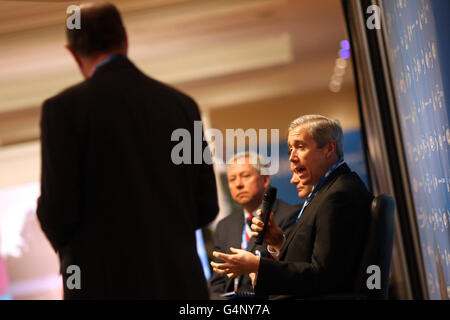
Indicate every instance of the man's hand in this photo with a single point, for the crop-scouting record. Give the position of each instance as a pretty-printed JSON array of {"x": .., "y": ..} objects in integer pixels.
[
  {"x": 236, "y": 264},
  {"x": 273, "y": 236}
]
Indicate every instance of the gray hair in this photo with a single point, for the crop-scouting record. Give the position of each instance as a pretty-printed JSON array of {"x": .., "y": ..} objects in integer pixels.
[
  {"x": 256, "y": 160},
  {"x": 322, "y": 130}
]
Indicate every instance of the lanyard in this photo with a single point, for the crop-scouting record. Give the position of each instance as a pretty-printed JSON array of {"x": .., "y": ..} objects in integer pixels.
[
  {"x": 244, "y": 245},
  {"x": 108, "y": 59},
  {"x": 318, "y": 185},
  {"x": 244, "y": 242}
]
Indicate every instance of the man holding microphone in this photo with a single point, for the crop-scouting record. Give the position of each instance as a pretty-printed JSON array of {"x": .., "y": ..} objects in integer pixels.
[{"x": 322, "y": 253}]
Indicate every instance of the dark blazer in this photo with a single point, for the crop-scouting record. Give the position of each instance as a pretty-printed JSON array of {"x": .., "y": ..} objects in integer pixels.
[
  {"x": 228, "y": 234},
  {"x": 323, "y": 252},
  {"x": 112, "y": 201}
]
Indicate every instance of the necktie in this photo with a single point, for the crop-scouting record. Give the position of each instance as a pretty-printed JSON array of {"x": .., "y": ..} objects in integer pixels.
[{"x": 248, "y": 234}]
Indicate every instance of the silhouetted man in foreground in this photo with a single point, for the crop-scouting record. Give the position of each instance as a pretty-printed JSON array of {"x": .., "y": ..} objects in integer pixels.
[{"x": 112, "y": 201}]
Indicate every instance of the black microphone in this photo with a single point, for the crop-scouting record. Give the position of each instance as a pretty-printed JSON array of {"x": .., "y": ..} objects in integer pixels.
[{"x": 270, "y": 195}]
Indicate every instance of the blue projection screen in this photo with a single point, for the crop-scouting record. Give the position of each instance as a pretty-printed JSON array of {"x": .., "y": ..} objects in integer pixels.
[{"x": 417, "y": 34}]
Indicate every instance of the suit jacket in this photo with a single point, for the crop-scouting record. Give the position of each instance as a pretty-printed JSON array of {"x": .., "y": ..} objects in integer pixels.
[
  {"x": 323, "y": 252},
  {"x": 112, "y": 200},
  {"x": 229, "y": 234}
]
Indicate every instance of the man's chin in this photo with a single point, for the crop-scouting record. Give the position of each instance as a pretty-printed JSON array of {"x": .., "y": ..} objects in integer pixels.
[
  {"x": 242, "y": 201},
  {"x": 302, "y": 196}
]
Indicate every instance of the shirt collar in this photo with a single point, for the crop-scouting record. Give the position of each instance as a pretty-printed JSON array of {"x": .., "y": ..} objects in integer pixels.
[
  {"x": 108, "y": 59},
  {"x": 335, "y": 165},
  {"x": 253, "y": 213}
]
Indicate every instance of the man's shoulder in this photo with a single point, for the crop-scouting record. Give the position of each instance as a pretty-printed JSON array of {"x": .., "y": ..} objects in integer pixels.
[
  {"x": 350, "y": 182},
  {"x": 164, "y": 94},
  {"x": 349, "y": 187},
  {"x": 157, "y": 87},
  {"x": 66, "y": 97},
  {"x": 168, "y": 89}
]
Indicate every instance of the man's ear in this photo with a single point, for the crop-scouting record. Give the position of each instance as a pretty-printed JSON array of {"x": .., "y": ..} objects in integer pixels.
[
  {"x": 266, "y": 181},
  {"x": 330, "y": 149}
]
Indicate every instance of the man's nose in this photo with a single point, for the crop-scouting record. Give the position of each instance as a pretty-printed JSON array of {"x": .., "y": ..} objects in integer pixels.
[
  {"x": 239, "y": 183},
  {"x": 293, "y": 156}
]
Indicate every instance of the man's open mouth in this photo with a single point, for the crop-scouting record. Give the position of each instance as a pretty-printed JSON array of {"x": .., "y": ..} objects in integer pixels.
[{"x": 300, "y": 170}]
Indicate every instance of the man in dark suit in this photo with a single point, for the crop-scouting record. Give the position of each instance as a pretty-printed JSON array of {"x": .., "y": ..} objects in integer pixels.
[
  {"x": 113, "y": 203},
  {"x": 247, "y": 185},
  {"x": 323, "y": 252}
]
